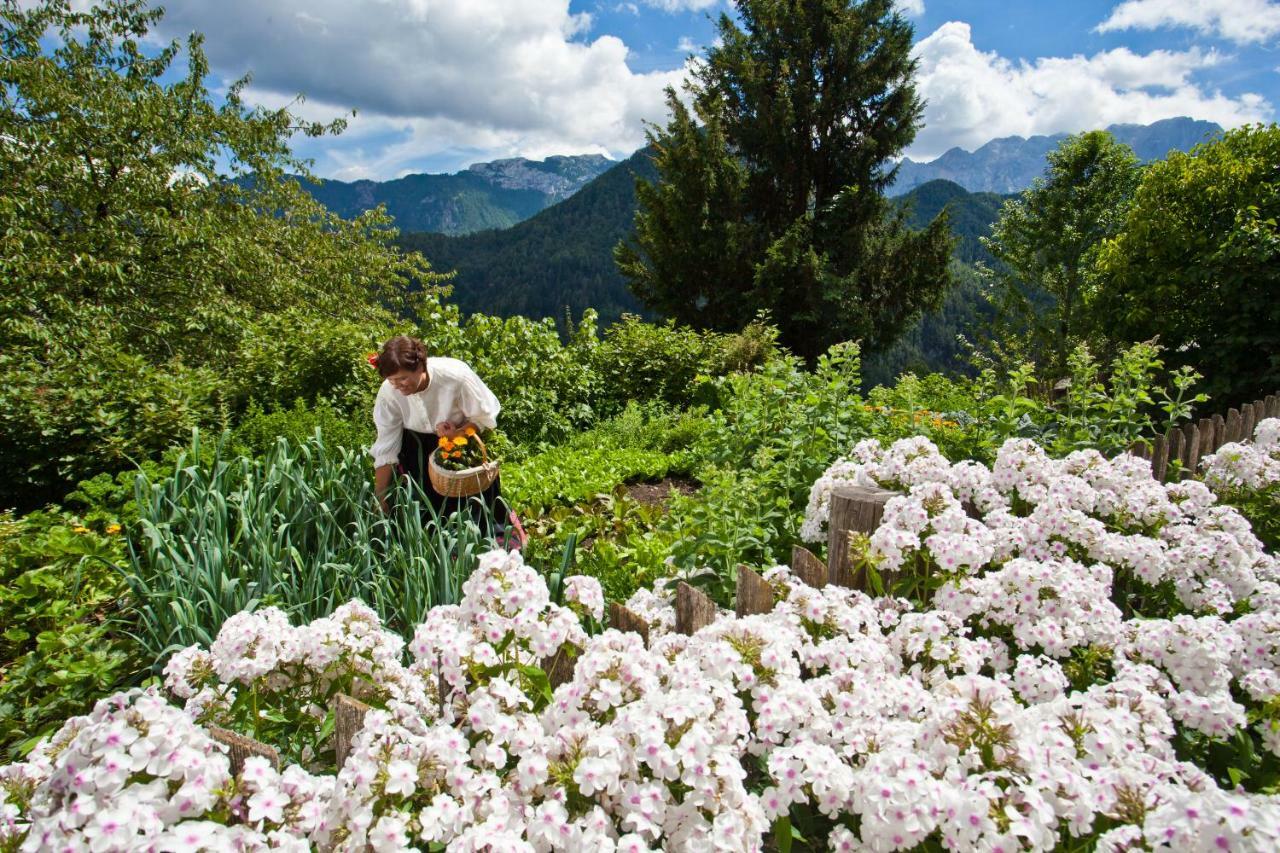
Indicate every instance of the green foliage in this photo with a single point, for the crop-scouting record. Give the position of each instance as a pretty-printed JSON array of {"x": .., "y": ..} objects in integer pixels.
[
  {"x": 663, "y": 362},
  {"x": 1048, "y": 238},
  {"x": 545, "y": 387},
  {"x": 152, "y": 232},
  {"x": 296, "y": 356},
  {"x": 1197, "y": 262},
  {"x": 60, "y": 648},
  {"x": 299, "y": 528},
  {"x": 257, "y": 432},
  {"x": 771, "y": 434},
  {"x": 770, "y": 192}
]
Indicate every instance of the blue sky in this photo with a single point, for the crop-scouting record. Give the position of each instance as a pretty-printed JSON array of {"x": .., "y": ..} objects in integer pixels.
[{"x": 440, "y": 84}]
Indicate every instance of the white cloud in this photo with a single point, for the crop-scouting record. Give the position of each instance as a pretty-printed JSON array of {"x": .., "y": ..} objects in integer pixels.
[
  {"x": 973, "y": 97},
  {"x": 512, "y": 76},
  {"x": 1242, "y": 21},
  {"x": 911, "y": 8},
  {"x": 680, "y": 5},
  {"x": 687, "y": 45}
]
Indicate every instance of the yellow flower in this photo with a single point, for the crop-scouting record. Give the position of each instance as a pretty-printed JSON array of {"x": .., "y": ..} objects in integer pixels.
[
  {"x": 113, "y": 529},
  {"x": 460, "y": 441},
  {"x": 79, "y": 528},
  {"x": 446, "y": 443}
]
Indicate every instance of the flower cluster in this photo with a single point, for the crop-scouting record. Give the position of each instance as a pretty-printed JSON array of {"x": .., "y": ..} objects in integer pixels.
[
  {"x": 139, "y": 774},
  {"x": 461, "y": 451},
  {"x": 1246, "y": 466}
]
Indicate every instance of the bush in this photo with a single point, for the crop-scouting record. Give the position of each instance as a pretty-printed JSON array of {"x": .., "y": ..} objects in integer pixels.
[
  {"x": 92, "y": 410},
  {"x": 62, "y": 647}
]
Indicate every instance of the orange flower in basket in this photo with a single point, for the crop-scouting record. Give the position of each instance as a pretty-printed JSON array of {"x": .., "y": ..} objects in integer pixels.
[{"x": 470, "y": 432}]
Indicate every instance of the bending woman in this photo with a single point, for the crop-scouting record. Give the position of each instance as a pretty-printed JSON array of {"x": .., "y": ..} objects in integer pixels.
[{"x": 422, "y": 399}]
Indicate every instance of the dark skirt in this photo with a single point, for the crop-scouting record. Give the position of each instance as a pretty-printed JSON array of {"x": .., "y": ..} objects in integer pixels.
[{"x": 415, "y": 449}]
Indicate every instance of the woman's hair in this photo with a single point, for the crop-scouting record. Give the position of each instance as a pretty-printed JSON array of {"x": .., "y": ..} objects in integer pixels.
[{"x": 401, "y": 353}]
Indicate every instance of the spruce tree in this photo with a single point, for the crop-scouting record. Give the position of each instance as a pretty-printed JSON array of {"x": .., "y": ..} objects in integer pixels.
[{"x": 771, "y": 186}]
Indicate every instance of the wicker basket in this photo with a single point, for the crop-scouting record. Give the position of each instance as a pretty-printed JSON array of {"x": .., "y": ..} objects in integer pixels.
[{"x": 468, "y": 481}]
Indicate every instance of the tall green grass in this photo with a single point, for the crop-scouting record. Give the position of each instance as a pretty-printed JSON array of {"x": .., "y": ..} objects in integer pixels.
[{"x": 299, "y": 528}]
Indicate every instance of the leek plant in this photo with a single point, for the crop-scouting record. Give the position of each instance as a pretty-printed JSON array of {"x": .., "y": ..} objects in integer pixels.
[{"x": 300, "y": 529}]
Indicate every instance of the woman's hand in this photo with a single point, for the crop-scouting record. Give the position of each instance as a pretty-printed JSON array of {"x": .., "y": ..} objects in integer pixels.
[{"x": 447, "y": 429}]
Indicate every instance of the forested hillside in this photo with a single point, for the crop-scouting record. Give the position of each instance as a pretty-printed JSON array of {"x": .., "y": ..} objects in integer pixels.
[
  {"x": 496, "y": 194},
  {"x": 560, "y": 260}
]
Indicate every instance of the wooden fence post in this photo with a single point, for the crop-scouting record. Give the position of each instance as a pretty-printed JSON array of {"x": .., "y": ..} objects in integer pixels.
[
  {"x": 807, "y": 567},
  {"x": 1191, "y": 455},
  {"x": 694, "y": 610},
  {"x": 1159, "y": 457},
  {"x": 1206, "y": 437},
  {"x": 1273, "y": 405},
  {"x": 754, "y": 593},
  {"x": 1174, "y": 439},
  {"x": 1219, "y": 432},
  {"x": 558, "y": 667},
  {"x": 854, "y": 509},
  {"x": 348, "y": 720},
  {"x": 1234, "y": 425},
  {"x": 625, "y": 620},
  {"x": 241, "y": 748}
]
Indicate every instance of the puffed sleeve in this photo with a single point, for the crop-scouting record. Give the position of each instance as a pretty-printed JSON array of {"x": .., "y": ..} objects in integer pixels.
[
  {"x": 390, "y": 423},
  {"x": 478, "y": 402}
]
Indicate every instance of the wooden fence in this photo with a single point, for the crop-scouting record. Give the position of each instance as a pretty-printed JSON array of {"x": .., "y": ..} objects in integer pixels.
[{"x": 1191, "y": 442}]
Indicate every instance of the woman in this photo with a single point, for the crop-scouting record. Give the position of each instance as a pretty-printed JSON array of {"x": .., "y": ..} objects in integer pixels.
[{"x": 422, "y": 399}]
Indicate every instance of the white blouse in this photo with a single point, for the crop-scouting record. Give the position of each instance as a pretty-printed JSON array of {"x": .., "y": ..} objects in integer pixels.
[{"x": 454, "y": 394}]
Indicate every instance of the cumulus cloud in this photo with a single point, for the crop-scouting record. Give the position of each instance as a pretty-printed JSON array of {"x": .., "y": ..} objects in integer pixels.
[
  {"x": 1242, "y": 21},
  {"x": 974, "y": 96},
  {"x": 681, "y": 5},
  {"x": 512, "y": 76}
]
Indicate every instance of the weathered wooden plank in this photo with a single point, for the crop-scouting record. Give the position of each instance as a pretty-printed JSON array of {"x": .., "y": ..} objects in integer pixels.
[
  {"x": 807, "y": 567},
  {"x": 626, "y": 620},
  {"x": 1191, "y": 450},
  {"x": 1206, "y": 437},
  {"x": 854, "y": 509},
  {"x": 1159, "y": 457},
  {"x": 1248, "y": 420},
  {"x": 1173, "y": 440},
  {"x": 1273, "y": 405},
  {"x": 1219, "y": 432},
  {"x": 694, "y": 611},
  {"x": 1235, "y": 425},
  {"x": 559, "y": 667},
  {"x": 1140, "y": 449},
  {"x": 754, "y": 593},
  {"x": 348, "y": 720},
  {"x": 241, "y": 748}
]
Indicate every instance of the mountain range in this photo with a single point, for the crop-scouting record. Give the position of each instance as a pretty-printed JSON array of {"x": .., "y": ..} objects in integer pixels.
[
  {"x": 1010, "y": 164},
  {"x": 497, "y": 194}
]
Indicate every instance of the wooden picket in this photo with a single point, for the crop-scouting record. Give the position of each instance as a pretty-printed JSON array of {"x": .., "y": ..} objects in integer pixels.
[
  {"x": 625, "y": 620},
  {"x": 854, "y": 509},
  {"x": 754, "y": 593},
  {"x": 808, "y": 568},
  {"x": 348, "y": 720},
  {"x": 694, "y": 611},
  {"x": 241, "y": 748}
]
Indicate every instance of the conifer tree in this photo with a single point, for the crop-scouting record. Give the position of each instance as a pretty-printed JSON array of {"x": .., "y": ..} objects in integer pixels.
[{"x": 771, "y": 184}]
